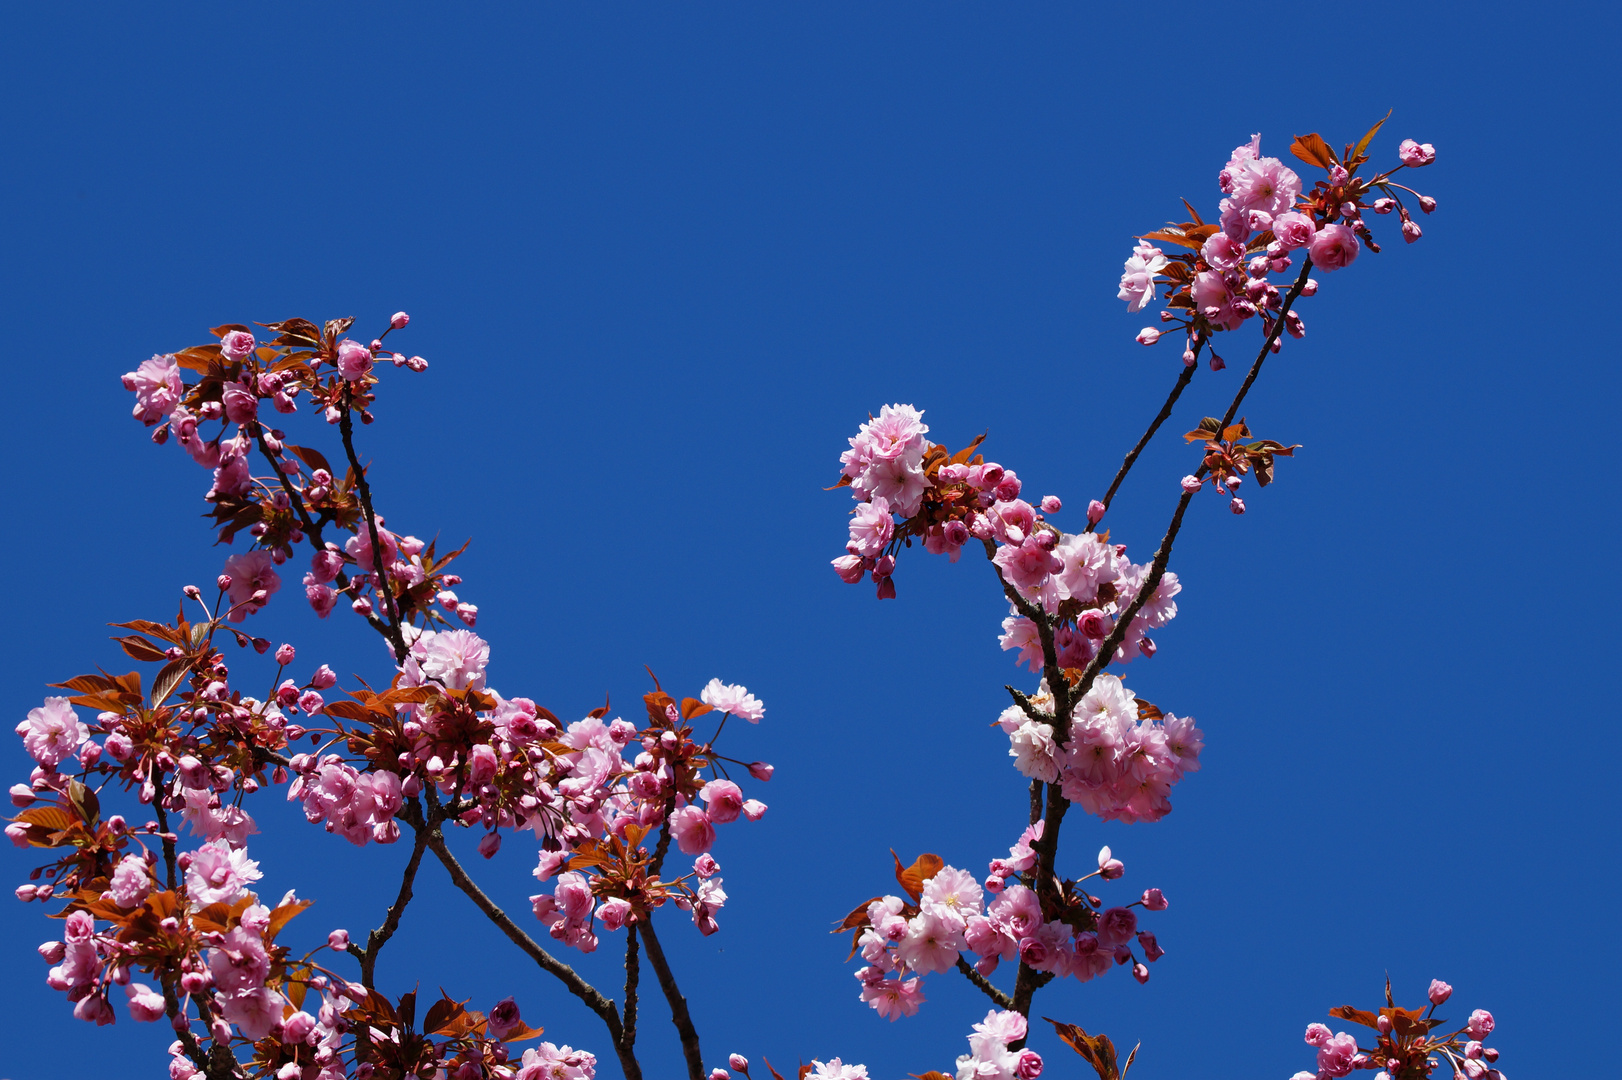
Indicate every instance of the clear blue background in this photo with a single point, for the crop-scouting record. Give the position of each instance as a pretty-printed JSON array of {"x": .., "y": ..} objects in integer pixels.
[{"x": 664, "y": 261}]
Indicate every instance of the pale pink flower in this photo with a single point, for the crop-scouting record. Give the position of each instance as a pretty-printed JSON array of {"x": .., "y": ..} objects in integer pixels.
[
  {"x": 734, "y": 699},
  {"x": 52, "y": 732},
  {"x": 1034, "y": 752},
  {"x": 354, "y": 359},
  {"x": 456, "y": 658},
  {"x": 723, "y": 801},
  {"x": 834, "y": 1069},
  {"x": 550, "y": 1062},
  {"x": 850, "y": 569},
  {"x": 1021, "y": 633},
  {"x": 871, "y": 528},
  {"x": 236, "y": 344},
  {"x": 1481, "y": 1024},
  {"x": 1257, "y": 183},
  {"x": 254, "y": 1012},
  {"x": 1336, "y": 1054},
  {"x": 901, "y": 482},
  {"x": 145, "y": 1003},
  {"x": 1294, "y": 230},
  {"x": 1222, "y": 252},
  {"x": 894, "y": 998},
  {"x": 692, "y": 829},
  {"x": 613, "y": 912},
  {"x": 952, "y": 896},
  {"x": 218, "y": 874},
  {"x": 1138, "y": 281},
  {"x": 240, "y": 963},
  {"x": 1415, "y": 154},
  {"x": 251, "y": 573},
  {"x": 1335, "y": 246},
  {"x": 131, "y": 882},
  {"x": 932, "y": 944},
  {"x": 157, "y": 387}
]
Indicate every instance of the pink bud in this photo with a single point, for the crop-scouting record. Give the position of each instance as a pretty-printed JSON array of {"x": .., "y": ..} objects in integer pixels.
[
  {"x": 1191, "y": 483},
  {"x": 417, "y": 363},
  {"x": 1310, "y": 288},
  {"x": 223, "y": 581},
  {"x": 1411, "y": 231},
  {"x": 760, "y": 770},
  {"x": 1414, "y": 155},
  {"x": 399, "y": 321},
  {"x": 1426, "y": 203},
  {"x": 1237, "y": 505},
  {"x": 1148, "y": 336},
  {"x": 1051, "y": 504},
  {"x": 1140, "y": 973},
  {"x": 1383, "y": 1023},
  {"x": 284, "y": 655},
  {"x": 338, "y": 940},
  {"x": 1154, "y": 900},
  {"x": 324, "y": 678},
  {"x": 738, "y": 1062},
  {"x": 849, "y": 568},
  {"x": 1439, "y": 991}
]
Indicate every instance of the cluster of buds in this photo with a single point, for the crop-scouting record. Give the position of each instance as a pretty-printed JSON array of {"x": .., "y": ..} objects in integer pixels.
[
  {"x": 1266, "y": 220},
  {"x": 1406, "y": 1046}
]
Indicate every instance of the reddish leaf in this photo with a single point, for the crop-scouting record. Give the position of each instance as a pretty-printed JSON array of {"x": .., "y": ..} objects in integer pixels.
[
  {"x": 912, "y": 878},
  {"x": 692, "y": 707},
  {"x": 350, "y": 710},
  {"x": 169, "y": 677},
  {"x": 1356, "y": 1016},
  {"x": 139, "y": 648},
  {"x": 521, "y": 1032},
  {"x": 284, "y": 915},
  {"x": 1097, "y": 1049},
  {"x": 1314, "y": 151},
  {"x": 1148, "y": 710},
  {"x": 1173, "y": 235},
  {"x": 311, "y": 457},
  {"x": 1363, "y": 143}
]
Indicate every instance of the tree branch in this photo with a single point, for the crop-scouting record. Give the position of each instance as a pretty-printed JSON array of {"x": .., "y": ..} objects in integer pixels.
[
  {"x": 567, "y": 975},
  {"x": 678, "y": 1004},
  {"x": 346, "y": 429},
  {"x": 1183, "y": 380},
  {"x": 1002, "y": 1000},
  {"x": 633, "y": 972},
  {"x": 377, "y": 938}
]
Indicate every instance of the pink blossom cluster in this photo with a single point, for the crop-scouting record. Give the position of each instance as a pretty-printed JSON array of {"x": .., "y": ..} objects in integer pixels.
[
  {"x": 892, "y": 470},
  {"x": 549, "y": 1061},
  {"x": 85, "y": 966},
  {"x": 1118, "y": 759},
  {"x": 989, "y": 1057},
  {"x": 357, "y": 806},
  {"x": 237, "y": 375},
  {"x": 1405, "y": 1045},
  {"x": 1265, "y": 221},
  {"x": 901, "y": 942}
]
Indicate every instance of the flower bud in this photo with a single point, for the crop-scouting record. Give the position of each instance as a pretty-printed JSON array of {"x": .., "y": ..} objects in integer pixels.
[
  {"x": 1191, "y": 483},
  {"x": 1148, "y": 336},
  {"x": 399, "y": 321},
  {"x": 760, "y": 770},
  {"x": 738, "y": 1062},
  {"x": 1414, "y": 155}
]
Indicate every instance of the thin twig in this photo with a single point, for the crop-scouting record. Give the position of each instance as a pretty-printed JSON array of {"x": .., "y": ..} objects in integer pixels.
[
  {"x": 377, "y": 938},
  {"x": 678, "y": 1004},
  {"x": 346, "y": 429},
  {"x": 1183, "y": 380},
  {"x": 577, "y": 986},
  {"x": 1003, "y": 1000}
]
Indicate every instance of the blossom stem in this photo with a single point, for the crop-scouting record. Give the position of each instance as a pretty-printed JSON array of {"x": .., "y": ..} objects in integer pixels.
[
  {"x": 678, "y": 1004},
  {"x": 346, "y": 429},
  {"x": 1001, "y": 999},
  {"x": 1183, "y": 380}
]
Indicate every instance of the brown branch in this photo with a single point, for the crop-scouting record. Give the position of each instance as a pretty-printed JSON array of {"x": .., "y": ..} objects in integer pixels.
[
  {"x": 1278, "y": 328},
  {"x": 567, "y": 975},
  {"x": 633, "y": 972},
  {"x": 678, "y": 1004},
  {"x": 376, "y": 939},
  {"x": 1002, "y": 1000},
  {"x": 346, "y": 429},
  {"x": 1183, "y": 380}
]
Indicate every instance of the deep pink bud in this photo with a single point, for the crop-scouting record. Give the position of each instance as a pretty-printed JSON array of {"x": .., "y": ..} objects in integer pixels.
[
  {"x": 1415, "y": 155},
  {"x": 1029, "y": 1066},
  {"x": 760, "y": 770},
  {"x": 338, "y": 940},
  {"x": 490, "y": 844},
  {"x": 849, "y": 568},
  {"x": 1439, "y": 991},
  {"x": 1154, "y": 900},
  {"x": 1237, "y": 505},
  {"x": 1051, "y": 504},
  {"x": 399, "y": 322},
  {"x": 284, "y": 655},
  {"x": 739, "y": 1062},
  {"x": 1191, "y": 483},
  {"x": 324, "y": 678}
]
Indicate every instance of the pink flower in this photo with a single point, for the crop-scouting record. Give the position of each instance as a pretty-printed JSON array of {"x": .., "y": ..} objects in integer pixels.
[
  {"x": 52, "y": 732},
  {"x": 131, "y": 882},
  {"x": 254, "y": 1012},
  {"x": 834, "y": 1069},
  {"x": 145, "y": 1003},
  {"x": 251, "y": 573},
  {"x": 455, "y": 658},
  {"x": 1257, "y": 183},
  {"x": 850, "y": 569},
  {"x": 723, "y": 801},
  {"x": 1154, "y": 900},
  {"x": 871, "y": 528},
  {"x": 157, "y": 388},
  {"x": 931, "y": 945},
  {"x": 1222, "y": 252},
  {"x": 893, "y": 998},
  {"x": 1415, "y": 154},
  {"x": 734, "y": 699},
  {"x": 952, "y": 896},
  {"x": 236, "y": 344},
  {"x": 322, "y": 598},
  {"x": 1294, "y": 230},
  {"x": 1116, "y": 927},
  {"x": 1335, "y": 1054},
  {"x": 692, "y": 829},
  {"x": 1138, "y": 281},
  {"x": 400, "y": 320},
  {"x": 614, "y": 912},
  {"x": 354, "y": 359},
  {"x": 1335, "y": 246},
  {"x": 1439, "y": 992},
  {"x": 549, "y": 1062},
  {"x": 219, "y": 875},
  {"x": 1481, "y": 1024}
]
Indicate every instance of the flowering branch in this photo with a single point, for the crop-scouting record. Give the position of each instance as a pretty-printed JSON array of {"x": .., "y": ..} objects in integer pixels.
[
  {"x": 376, "y": 939},
  {"x": 363, "y": 489},
  {"x": 1003, "y": 1000}
]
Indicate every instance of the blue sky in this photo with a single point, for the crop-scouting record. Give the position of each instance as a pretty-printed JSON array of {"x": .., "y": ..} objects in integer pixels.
[{"x": 664, "y": 261}]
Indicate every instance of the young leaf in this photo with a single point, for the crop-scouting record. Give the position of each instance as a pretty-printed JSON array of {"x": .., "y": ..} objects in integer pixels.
[
  {"x": 912, "y": 878},
  {"x": 1314, "y": 151},
  {"x": 1363, "y": 143}
]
